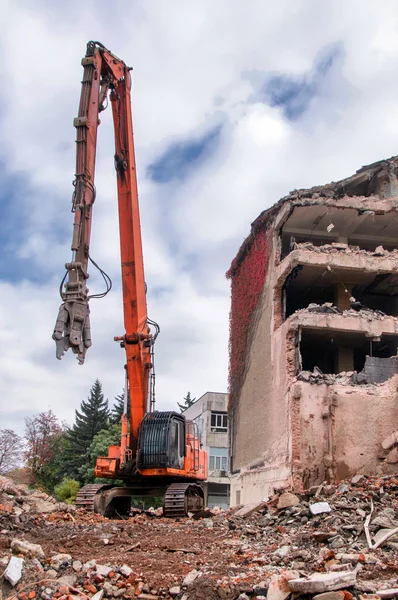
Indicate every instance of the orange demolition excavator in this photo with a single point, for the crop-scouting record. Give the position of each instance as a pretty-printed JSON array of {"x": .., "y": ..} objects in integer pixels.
[{"x": 159, "y": 452}]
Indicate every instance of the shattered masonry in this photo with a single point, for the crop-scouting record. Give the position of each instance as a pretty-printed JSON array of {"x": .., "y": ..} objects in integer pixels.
[
  {"x": 330, "y": 538},
  {"x": 314, "y": 337}
]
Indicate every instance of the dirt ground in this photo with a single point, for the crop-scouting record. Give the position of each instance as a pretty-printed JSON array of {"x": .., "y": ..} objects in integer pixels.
[{"x": 228, "y": 555}]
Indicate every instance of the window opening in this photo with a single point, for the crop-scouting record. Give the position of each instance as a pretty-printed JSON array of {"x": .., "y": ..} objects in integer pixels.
[
  {"x": 218, "y": 459},
  {"x": 333, "y": 352},
  {"x": 219, "y": 421},
  {"x": 319, "y": 225},
  {"x": 338, "y": 290}
]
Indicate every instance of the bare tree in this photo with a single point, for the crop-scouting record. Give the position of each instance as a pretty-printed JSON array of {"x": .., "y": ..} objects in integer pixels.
[
  {"x": 41, "y": 431},
  {"x": 11, "y": 449}
]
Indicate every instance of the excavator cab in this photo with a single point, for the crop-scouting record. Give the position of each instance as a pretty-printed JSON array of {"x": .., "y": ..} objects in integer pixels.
[{"x": 161, "y": 441}]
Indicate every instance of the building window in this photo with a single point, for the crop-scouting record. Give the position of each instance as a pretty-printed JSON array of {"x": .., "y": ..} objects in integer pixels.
[
  {"x": 219, "y": 421},
  {"x": 218, "y": 459}
]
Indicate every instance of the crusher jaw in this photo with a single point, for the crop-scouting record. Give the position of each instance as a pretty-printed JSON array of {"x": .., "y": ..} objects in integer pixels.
[{"x": 72, "y": 328}]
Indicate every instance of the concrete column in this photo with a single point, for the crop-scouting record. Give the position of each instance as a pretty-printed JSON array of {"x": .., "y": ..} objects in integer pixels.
[{"x": 342, "y": 298}]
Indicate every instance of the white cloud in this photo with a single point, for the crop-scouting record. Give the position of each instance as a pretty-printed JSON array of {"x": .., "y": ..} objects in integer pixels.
[{"x": 191, "y": 64}]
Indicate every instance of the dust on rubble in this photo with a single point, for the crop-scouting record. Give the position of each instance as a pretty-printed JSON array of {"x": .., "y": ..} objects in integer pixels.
[{"x": 334, "y": 539}]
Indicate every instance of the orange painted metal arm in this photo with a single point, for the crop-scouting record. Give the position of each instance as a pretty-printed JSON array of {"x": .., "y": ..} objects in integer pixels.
[
  {"x": 72, "y": 327},
  {"x": 104, "y": 72},
  {"x": 137, "y": 337}
]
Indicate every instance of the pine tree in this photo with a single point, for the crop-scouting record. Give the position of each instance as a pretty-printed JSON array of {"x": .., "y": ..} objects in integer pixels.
[
  {"x": 188, "y": 401},
  {"x": 118, "y": 407},
  {"x": 92, "y": 417}
]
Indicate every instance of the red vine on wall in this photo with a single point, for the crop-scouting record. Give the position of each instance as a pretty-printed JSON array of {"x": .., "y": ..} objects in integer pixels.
[{"x": 247, "y": 274}]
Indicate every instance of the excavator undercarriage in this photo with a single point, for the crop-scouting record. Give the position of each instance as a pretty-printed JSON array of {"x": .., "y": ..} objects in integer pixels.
[{"x": 179, "y": 499}]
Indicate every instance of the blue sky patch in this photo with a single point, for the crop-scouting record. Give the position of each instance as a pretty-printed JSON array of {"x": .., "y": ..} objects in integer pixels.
[
  {"x": 16, "y": 228},
  {"x": 180, "y": 157},
  {"x": 293, "y": 94}
]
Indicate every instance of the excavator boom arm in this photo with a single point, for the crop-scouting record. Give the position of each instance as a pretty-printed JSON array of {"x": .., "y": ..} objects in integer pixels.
[{"x": 105, "y": 73}]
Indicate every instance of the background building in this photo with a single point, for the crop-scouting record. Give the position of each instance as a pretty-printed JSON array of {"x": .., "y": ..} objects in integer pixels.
[
  {"x": 314, "y": 335},
  {"x": 209, "y": 413}
]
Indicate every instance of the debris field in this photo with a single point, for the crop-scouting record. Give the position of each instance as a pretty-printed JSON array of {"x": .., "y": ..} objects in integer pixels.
[{"x": 334, "y": 542}]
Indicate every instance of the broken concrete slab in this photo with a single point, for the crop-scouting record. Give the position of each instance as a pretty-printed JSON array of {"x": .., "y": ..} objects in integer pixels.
[
  {"x": 323, "y": 536},
  {"x": 24, "y": 547},
  {"x": 278, "y": 588},
  {"x": 319, "y": 508},
  {"x": 125, "y": 570},
  {"x": 390, "y": 441},
  {"x": 392, "y": 456},
  {"x": 357, "y": 479},
  {"x": 283, "y": 551},
  {"x": 343, "y": 488},
  {"x": 90, "y": 564},
  {"x": 249, "y": 509},
  {"x": 329, "y": 596},
  {"x": 51, "y": 573},
  {"x": 337, "y": 542},
  {"x": 68, "y": 579},
  {"x": 59, "y": 560},
  {"x": 323, "y": 582},
  {"x": 349, "y": 558},
  {"x": 287, "y": 500},
  {"x": 389, "y": 593},
  {"x": 13, "y": 572},
  {"x": 190, "y": 578},
  {"x": 44, "y": 507},
  {"x": 110, "y": 589},
  {"x": 366, "y": 586},
  {"x": 77, "y": 566},
  {"x": 386, "y": 518},
  {"x": 104, "y": 570}
]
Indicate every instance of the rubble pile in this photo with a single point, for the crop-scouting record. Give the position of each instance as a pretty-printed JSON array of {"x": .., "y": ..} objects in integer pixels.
[
  {"x": 18, "y": 501},
  {"x": 334, "y": 542},
  {"x": 329, "y": 308},
  {"x": 338, "y": 247},
  {"x": 317, "y": 376}
]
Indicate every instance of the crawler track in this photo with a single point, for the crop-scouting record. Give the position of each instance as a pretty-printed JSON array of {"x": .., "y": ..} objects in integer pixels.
[
  {"x": 181, "y": 499},
  {"x": 86, "y": 495}
]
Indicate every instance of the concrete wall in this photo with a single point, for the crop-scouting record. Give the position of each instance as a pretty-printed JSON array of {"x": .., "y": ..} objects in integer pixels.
[
  {"x": 312, "y": 433},
  {"x": 364, "y": 417},
  {"x": 339, "y": 429},
  {"x": 261, "y": 434}
]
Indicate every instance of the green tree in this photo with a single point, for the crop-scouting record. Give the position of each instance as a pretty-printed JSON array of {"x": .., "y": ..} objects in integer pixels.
[
  {"x": 188, "y": 401},
  {"x": 66, "y": 491},
  {"x": 92, "y": 417},
  {"x": 99, "y": 447},
  {"x": 118, "y": 407}
]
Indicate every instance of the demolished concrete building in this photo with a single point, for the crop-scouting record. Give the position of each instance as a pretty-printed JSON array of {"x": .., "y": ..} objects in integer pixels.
[{"x": 314, "y": 337}]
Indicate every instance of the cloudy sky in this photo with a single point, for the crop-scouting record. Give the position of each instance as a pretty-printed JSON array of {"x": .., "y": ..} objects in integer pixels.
[{"x": 234, "y": 103}]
